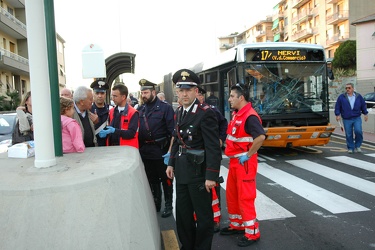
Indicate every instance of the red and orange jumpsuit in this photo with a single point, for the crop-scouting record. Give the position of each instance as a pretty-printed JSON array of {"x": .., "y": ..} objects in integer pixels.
[{"x": 241, "y": 182}]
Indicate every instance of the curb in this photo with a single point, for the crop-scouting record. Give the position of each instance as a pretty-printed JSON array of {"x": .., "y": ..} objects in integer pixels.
[{"x": 365, "y": 142}]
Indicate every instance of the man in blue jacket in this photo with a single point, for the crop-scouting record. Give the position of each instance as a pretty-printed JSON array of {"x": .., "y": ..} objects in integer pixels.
[{"x": 350, "y": 106}]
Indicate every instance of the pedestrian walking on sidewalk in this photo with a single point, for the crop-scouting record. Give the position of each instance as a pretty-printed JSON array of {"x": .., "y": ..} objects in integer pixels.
[{"x": 350, "y": 106}]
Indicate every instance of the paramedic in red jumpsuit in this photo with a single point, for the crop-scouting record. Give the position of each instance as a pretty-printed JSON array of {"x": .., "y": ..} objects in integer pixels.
[{"x": 245, "y": 136}]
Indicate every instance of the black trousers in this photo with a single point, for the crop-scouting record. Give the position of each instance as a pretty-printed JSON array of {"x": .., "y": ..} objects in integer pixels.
[
  {"x": 155, "y": 171},
  {"x": 193, "y": 234}
]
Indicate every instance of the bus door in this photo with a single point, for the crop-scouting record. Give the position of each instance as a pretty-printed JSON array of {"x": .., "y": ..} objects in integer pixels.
[{"x": 228, "y": 82}]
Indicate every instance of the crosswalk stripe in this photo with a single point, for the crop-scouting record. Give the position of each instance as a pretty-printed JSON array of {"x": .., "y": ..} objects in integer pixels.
[
  {"x": 266, "y": 208},
  {"x": 354, "y": 162},
  {"x": 319, "y": 196},
  {"x": 266, "y": 157},
  {"x": 371, "y": 155},
  {"x": 338, "y": 176}
]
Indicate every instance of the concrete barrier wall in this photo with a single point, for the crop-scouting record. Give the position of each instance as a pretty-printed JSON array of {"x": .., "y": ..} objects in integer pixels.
[
  {"x": 368, "y": 126},
  {"x": 99, "y": 199}
]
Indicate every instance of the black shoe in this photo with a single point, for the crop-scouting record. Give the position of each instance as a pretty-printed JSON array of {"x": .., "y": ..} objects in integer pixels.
[
  {"x": 166, "y": 213},
  {"x": 230, "y": 231},
  {"x": 245, "y": 242},
  {"x": 216, "y": 227}
]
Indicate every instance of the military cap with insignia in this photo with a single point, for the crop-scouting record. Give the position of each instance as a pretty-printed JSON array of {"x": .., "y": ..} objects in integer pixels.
[
  {"x": 201, "y": 90},
  {"x": 185, "y": 79},
  {"x": 99, "y": 86},
  {"x": 146, "y": 84}
]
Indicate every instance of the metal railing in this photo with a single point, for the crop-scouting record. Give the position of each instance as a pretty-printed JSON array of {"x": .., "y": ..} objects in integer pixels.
[
  {"x": 12, "y": 18},
  {"x": 14, "y": 56}
]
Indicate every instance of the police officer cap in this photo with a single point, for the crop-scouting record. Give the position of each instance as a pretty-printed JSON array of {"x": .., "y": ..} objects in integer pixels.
[
  {"x": 99, "y": 86},
  {"x": 201, "y": 90},
  {"x": 146, "y": 84},
  {"x": 185, "y": 79}
]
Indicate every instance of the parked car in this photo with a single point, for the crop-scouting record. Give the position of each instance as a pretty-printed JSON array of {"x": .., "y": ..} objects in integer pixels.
[
  {"x": 370, "y": 97},
  {"x": 7, "y": 126}
]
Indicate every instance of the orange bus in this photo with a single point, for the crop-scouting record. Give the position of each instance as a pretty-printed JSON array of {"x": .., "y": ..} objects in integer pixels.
[{"x": 288, "y": 86}]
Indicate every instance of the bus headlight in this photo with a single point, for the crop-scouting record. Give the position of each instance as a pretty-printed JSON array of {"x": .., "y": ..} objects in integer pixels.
[{"x": 325, "y": 135}]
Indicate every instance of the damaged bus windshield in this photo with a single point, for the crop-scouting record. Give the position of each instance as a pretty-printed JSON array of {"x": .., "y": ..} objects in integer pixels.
[{"x": 287, "y": 88}]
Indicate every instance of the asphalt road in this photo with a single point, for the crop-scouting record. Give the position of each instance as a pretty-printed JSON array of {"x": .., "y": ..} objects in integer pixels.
[{"x": 308, "y": 198}]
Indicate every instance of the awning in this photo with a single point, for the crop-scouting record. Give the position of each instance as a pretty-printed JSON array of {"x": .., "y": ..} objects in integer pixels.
[
  {"x": 275, "y": 24},
  {"x": 276, "y": 37}
]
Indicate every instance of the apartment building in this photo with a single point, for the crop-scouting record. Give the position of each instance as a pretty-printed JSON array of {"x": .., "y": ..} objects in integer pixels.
[
  {"x": 324, "y": 22},
  {"x": 365, "y": 30},
  {"x": 260, "y": 32},
  {"x": 14, "y": 63}
]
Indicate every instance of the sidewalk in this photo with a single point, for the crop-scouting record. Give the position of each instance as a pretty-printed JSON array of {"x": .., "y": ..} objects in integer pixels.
[{"x": 367, "y": 136}]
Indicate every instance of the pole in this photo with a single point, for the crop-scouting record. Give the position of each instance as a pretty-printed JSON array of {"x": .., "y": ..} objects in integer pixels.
[
  {"x": 39, "y": 81},
  {"x": 53, "y": 74}
]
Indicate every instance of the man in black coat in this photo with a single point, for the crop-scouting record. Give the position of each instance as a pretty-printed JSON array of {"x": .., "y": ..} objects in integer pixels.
[
  {"x": 155, "y": 131},
  {"x": 195, "y": 162}
]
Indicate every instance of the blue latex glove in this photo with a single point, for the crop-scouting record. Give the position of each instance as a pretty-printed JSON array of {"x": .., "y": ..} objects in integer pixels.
[
  {"x": 166, "y": 158},
  {"x": 103, "y": 133},
  {"x": 110, "y": 129},
  {"x": 243, "y": 158}
]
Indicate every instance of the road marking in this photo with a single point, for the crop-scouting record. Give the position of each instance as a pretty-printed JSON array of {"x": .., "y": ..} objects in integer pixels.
[
  {"x": 266, "y": 157},
  {"x": 266, "y": 208},
  {"x": 371, "y": 155},
  {"x": 317, "y": 195},
  {"x": 338, "y": 176},
  {"x": 170, "y": 240},
  {"x": 354, "y": 162}
]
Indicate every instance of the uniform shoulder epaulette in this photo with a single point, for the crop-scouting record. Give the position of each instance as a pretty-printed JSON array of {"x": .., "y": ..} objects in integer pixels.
[{"x": 204, "y": 106}]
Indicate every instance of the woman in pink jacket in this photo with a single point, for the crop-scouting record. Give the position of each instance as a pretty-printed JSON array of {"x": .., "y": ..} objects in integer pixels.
[{"x": 72, "y": 139}]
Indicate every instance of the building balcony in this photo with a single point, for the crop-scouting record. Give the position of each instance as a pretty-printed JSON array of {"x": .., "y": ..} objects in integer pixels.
[
  {"x": 332, "y": 1},
  {"x": 337, "y": 39},
  {"x": 11, "y": 25},
  {"x": 279, "y": 15},
  {"x": 13, "y": 62},
  {"x": 298, "y": 3},
  {"x": 260, "y": 33},
  {"x": 337, "y": 17},
  {"x": 302, "y": 34},
  {"x": 303, "y": 16}
]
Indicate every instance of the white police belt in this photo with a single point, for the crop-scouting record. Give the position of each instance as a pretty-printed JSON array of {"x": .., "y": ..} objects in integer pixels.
[{"x": 241, "y": 139}]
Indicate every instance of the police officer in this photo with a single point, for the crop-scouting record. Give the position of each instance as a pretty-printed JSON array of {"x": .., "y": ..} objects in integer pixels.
[
  {"x": 223, "y": 125},
  {"x": 156, "y": 125},
  {"x": 195, "y": 161},
  {"x": 100, "y": 108},
  {"x": 222, "y": 122}
]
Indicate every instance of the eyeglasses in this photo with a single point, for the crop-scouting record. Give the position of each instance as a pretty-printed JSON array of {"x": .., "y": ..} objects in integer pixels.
[{"x": 348, "y": 87}]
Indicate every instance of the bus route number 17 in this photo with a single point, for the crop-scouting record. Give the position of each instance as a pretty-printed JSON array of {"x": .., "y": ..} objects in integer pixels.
[{"x": 266, "y": 54}]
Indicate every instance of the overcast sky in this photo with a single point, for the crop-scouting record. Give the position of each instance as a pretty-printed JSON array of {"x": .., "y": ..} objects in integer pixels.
[{"x": 165, "y": 35}]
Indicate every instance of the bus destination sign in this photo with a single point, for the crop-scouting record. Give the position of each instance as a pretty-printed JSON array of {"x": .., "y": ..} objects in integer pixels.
[{"x": 280, "y": 55}]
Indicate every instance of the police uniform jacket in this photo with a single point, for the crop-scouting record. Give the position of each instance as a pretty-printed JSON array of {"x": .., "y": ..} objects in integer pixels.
[
  {"x": 197, "y": 131},
  {"x": 156, "y": 124},
  {"x": 222, "y": 122},
  {"x": 103, "y": 117}
]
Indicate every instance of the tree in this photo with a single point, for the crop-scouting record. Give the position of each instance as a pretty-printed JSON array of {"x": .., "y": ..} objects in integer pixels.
[
  {"x": 345, "y": 56},
  {"x": 14, "y": 99}
]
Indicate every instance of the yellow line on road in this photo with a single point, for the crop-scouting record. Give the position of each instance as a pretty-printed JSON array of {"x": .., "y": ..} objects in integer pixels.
[{"x": 170, "y": 240}]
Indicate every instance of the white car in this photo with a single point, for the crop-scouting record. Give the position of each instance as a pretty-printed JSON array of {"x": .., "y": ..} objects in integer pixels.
[{"x": 7, "y": 125}]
